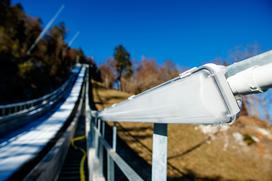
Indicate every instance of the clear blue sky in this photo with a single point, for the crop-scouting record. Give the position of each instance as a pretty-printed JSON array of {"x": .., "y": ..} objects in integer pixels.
[{"x": 188, "y": 32}]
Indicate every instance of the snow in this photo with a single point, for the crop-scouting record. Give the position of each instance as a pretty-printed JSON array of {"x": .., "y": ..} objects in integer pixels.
[{"x": 18, "y": 150}]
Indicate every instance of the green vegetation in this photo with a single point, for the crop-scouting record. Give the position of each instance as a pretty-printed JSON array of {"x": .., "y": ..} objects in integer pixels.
[
  {"x": 123, "y": 64},
  {"x": 26, "y": 75}
]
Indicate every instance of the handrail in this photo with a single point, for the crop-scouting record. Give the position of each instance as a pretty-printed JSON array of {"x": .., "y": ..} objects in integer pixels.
[
  {"x": 198, "y": 96},
  {"x": 41, "y": 150},
  {"x": 112, "y": 155},
  {"x": 96, "y": 143},
  {"x": 15, "y": 108}
]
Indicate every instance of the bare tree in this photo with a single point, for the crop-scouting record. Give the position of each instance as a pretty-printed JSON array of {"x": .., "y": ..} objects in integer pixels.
[{"x": 107, "y": 73}]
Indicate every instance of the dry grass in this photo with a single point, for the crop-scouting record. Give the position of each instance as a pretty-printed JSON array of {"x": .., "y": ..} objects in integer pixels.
[
  {"x": 196, "y": 155},
  {"x": 105, "y": 97}
]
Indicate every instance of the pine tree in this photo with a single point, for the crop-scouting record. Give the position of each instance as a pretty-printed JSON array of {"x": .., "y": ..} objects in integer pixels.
[{"x": 123, "y": 64}]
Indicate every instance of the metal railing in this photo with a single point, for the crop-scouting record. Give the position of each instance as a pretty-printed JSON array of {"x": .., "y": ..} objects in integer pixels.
[
  {"x": 97, "y": 143},
  {"x": 95, "y": 133},
  {"x": 112, "y": 157},
  {"x": 224, "y": 85},
  {"x": 16, "y": 109},
  {"x": 43, "y": 148},
  {"x": 97, "y": 160},
  {"x": 51, "y": 163}
]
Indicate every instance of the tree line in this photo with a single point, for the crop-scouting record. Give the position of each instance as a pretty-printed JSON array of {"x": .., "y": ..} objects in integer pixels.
[
  {"x": 134, "y": 77},
  {"x": 24, "y": 75}
]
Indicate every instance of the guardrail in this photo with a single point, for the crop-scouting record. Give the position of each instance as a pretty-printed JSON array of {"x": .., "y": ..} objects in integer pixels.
[
  {"x": 97, "y": 160},
  {"x": 112, "y": 157},
  {"x": 96, "y": 144},
  {"x": 22, "y": 107},
  {"x": 210, "y": 94},
  {"x": 41, "y": 150},
  {"x": 51, "y": 163}
]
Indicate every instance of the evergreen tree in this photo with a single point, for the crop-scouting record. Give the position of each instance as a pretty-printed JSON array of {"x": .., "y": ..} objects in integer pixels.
[{"x": 123, "y": 64}]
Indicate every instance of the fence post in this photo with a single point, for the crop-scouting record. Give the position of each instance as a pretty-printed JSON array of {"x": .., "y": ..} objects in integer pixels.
[
  {"x": 159, "y": 152},
  {"x": 100, "y": 154},
  {"x": 110, "y": 168},
  {"x": 114, "y": 139},
  {"x": 96, "y": 142}
]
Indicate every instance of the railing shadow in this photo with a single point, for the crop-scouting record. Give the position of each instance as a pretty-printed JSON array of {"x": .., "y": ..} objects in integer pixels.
[
  {"x": 190, "y": 175},
  {"x": 90, "y": 93},
  {"x": 189, "y": 150}
]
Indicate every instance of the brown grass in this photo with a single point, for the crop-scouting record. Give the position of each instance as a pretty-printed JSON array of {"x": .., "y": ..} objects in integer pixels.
[{"x": 196, "y": 155}]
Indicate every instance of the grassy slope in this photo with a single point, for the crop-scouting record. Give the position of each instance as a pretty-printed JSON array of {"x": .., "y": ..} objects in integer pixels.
[{"x": 200, "y": 156}]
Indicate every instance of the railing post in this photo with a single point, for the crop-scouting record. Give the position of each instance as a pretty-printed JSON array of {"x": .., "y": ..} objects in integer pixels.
[
  {"x": 114, "y": 139},
  {"x": 159, "y": 152},
  {"x": 110, "y": 168},
  {"x": 97, "y": 125},
  {"x": 100, "y": 154},
  {"x": 93, "y": 153}
]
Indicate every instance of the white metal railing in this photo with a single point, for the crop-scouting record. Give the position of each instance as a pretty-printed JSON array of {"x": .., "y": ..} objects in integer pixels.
[
  {"x": 112, "y": 157},
  {"x": 22, "y": 107},
  {"x": 97, "y": 144},
  {"x": 41, "y": 150},
  {"x": 210, "y": 94}
]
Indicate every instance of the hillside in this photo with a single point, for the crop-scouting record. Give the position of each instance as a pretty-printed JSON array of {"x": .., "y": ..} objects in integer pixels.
[
  {"x": 30, "y": 68},
  {"x": 241, "y": 151}
]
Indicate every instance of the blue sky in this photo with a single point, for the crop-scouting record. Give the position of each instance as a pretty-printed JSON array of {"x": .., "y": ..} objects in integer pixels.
[{"x": 190, "y": 32}]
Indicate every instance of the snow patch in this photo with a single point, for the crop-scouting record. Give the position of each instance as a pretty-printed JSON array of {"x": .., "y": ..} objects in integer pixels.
[
  {"x": 238, "y": 137},
  {"x": 264, "y": 132},
  {"x": 255, "y": 139},
  {"x": 212, "y": 129}
]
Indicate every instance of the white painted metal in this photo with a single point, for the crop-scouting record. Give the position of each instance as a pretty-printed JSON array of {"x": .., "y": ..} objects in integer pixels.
[
  {"x": 198, "y": 96},
  {"x": 110, "y": 168},
  {"x": 252, "y": 75},
  {"x": 110, "y": 162},
  {"x": 117, "y": 159},
  {"x": 101, "y": 148},
  {"x": 159, "y": 152},
  {"x": 258, "y": 60},
  {"x": 255, "y": 79}
]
